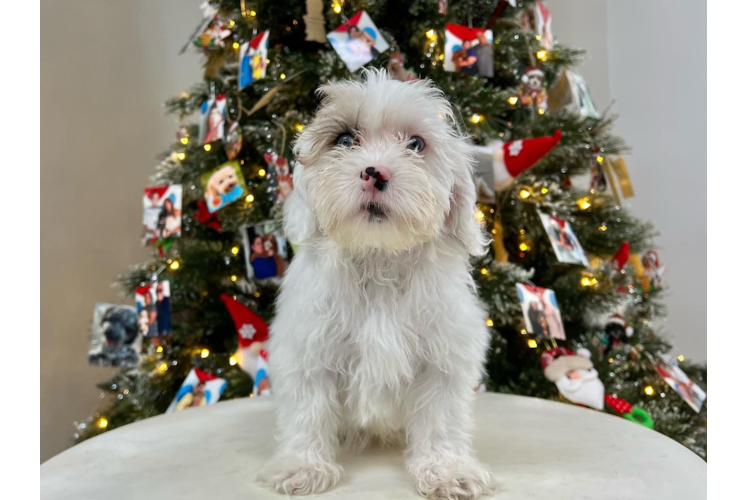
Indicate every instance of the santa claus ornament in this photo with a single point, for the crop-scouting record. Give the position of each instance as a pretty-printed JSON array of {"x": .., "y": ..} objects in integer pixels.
[
  {"x": 652, "y": 272},
  {"x": 500, "y": 163},
  {"x": 532, "y": 89},
  {"x": 252, "y": 334},
  {"x": 574, "y": 376}
]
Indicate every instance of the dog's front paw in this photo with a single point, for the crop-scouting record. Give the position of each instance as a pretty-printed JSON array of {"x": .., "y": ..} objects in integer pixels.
[
  {"x": 292, "y": 476},
  {"x": 459, "y": 480}
]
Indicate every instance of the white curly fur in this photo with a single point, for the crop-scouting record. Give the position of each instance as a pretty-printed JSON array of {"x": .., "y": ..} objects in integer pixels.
[{"x": 379, "y": 334}]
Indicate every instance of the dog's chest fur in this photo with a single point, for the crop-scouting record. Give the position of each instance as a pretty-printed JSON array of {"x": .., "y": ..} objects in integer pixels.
[
  {"x": 376, "y": 334},
  {"x": 372, "y": 322}
]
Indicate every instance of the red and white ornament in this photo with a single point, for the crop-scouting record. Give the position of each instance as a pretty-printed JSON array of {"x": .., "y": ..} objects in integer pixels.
[
  {"x": 532, "y": 89},
  {"x": 621, "y": 257},
  {"x": 574, "y": 376},
  {"x": 512, "y": 158},
  {"x": 252, "y": 333}
]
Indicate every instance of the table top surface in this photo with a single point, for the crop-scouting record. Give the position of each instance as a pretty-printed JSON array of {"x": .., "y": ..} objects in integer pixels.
[{"x": 536, "y": 449}]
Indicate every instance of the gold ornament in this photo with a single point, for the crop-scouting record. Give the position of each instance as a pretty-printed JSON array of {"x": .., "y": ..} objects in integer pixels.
[
  {"x": 499, "y": 250},
  {"x": 617, "y": 175}
]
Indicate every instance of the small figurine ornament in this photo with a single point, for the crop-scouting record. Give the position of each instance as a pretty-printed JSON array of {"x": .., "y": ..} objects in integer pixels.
[
  {"x": 532, "y": 88},
  {"x": 574, "y": 376}
]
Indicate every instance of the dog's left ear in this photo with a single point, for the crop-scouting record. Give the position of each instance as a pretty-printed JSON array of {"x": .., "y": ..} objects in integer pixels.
[
  {"x": 461, "y": 221},
  {"x": 298, "y": 221}
]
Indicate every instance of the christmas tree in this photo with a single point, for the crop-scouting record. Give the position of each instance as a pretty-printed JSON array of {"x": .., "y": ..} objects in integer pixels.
[{"x": 571, "y": 281}]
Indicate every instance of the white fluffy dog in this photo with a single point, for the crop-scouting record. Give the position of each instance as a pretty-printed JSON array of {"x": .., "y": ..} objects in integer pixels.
[{"x": 379, "y": 334}]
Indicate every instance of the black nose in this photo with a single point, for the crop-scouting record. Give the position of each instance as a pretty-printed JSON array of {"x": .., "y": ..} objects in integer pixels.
[{"x": 381, "y": 181}]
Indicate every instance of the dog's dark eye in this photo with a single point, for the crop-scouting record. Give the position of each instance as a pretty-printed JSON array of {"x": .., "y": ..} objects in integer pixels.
[
  {"x": 346, "y": 140},
  {"x": 416, "y": 144}
]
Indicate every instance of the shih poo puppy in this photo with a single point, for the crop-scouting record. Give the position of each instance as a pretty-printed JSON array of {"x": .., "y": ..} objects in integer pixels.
[{"x": 379, "y": 335}]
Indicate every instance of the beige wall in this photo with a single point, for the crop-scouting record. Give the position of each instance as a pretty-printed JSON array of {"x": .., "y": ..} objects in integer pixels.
[
  {"x": 106, "y": 68},
  {"x": 649, "y": 57}
]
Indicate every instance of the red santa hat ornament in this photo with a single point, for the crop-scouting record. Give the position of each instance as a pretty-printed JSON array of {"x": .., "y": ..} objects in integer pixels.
[
  {"x": 252, "y": 333},
  {"x": 621, "y": 257},
  {"x": 512, "y": 158}
]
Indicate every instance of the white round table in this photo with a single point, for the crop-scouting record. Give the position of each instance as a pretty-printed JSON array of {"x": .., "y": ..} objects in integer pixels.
[{"x": 536, "y": 449}]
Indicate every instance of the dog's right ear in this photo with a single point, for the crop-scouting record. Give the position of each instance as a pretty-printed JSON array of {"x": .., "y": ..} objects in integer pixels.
[{"x": 298, "y": 221}]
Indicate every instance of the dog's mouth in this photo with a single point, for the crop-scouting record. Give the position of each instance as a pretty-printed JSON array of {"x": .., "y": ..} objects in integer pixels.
[{"x": 377, "y": 212}]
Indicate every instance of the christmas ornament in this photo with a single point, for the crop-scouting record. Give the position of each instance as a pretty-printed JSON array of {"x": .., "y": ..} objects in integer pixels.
[
  {"x": 598, "y": 182},
  {"x": 629, "y": 412},
  {"x": 532, "y": 89},
  {"x": 212, "y": 117},
  {"x": 468, "y": 50},
  {"x": 540, "y": 310},
  {"x": 500, "y": 163},
  {"x": 223, "y": 185},
  {"x": 253, "y": 59},
  {"x": 266, "y": 251},
  {"x": 617, "y": 176},
  {"x": 652, "y": 272},
  {"x": 213, "y": 35},
  {"x": 565, "y": 244},
  {"x": 162, "y": 213},
  {"x": 204, "y": 216},
  {"x": 570, "y": 93},
  {"x": 314, "y": 21},
  {"x": 252, "y": 333},
  {"x": 281, "y": 178},
  {"x": 357, "y": 41},
  {"x": 499, "y": 250},
  {"x": 209, "y": 12},
  {"x": 617, "y": 331},
  {"x": 183, "y": 134},
  {"x": 621, "y": 256},
  {"x": 574, "y": 376},
  {"x": 233, "y": 141},
  {"x": 114, "y": 336},
  {"x": 691, "y": 393},
  {"x": 396, "y": 69},
  {"x": 199, "y": 388},
  {"x": 154, "y": 310},
  {"x": 538, "y": 17},
  {"x": 163, "y": 245}
]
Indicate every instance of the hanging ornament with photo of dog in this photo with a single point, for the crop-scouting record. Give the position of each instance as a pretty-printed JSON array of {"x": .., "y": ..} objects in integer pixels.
[{"x": 533, "y": 88}]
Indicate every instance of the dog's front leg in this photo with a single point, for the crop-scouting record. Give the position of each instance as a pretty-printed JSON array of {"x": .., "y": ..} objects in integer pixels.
[
  {"x": 440, "y": 454},
  {"x": 308, "y": 416}
]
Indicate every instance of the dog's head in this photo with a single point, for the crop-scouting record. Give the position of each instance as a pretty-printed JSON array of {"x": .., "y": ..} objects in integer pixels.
[
  {"x": 382, "y": 166},
  {"x": 222, "y": 181},
  {"x": 119, "y": 325}
]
